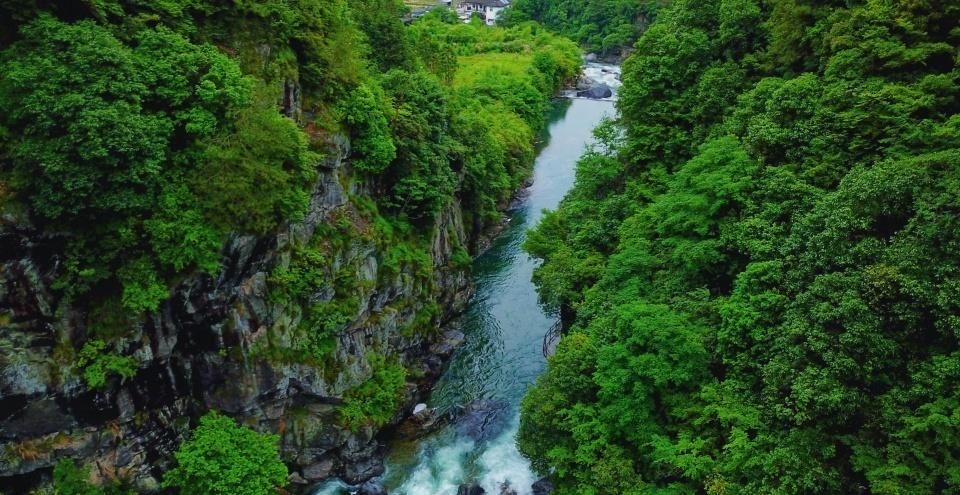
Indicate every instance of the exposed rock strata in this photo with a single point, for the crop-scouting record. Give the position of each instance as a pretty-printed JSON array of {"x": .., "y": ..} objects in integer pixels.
[{"x": 198, "y": 352}]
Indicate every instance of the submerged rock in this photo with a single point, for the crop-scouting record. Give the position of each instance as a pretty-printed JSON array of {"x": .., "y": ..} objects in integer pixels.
[{"x": 482, "y": 420}]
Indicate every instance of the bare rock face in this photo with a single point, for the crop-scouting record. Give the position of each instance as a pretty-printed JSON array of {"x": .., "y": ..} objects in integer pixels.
[{"x": 201, "y": 351}]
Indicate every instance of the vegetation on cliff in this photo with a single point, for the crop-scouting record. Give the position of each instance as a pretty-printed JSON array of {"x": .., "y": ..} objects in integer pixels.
[
  {"x": 759, "y": 260},
  {"x": 223, "y": 458},
  {"x": 141, "y": 136}
]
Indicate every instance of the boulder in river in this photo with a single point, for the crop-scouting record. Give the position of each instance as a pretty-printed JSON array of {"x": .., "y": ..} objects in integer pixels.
[
  {"x": 596, "y": 92},
  {"x": 423, "y": 417},
  {"x": 584, "y": 82},
  {"x": 590, "y": 57},
  {"x": 372, "y": 487},
  {"x": 471, "y": 489},
  {"x": 543, "y": 486}
]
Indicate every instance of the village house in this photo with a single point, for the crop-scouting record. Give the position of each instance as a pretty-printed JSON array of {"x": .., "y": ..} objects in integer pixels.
[{"x": 489, "y": 9}]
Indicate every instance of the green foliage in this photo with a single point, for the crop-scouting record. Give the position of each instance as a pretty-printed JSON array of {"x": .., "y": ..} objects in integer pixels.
[
  {"x": 70, "y": 479},
  {"x": 500, "y": 85},
  {"x": 224, "y": 458},
  {"x": 757, "y": 267},
  {"x": 159, "y": 147},
  {"x": 380, "y": 21},
  {"x": 98, "y": 364},
  {"x": 257, "y": 176},
  {"x": 602, "y": 26},
  {"x": 366, "y": 112},
  {"x": 375, "y": 402},
  {"x": 421, "y": 180}
]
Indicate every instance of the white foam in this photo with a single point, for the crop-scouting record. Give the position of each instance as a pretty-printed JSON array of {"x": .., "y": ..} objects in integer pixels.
[
  {"x": 502, "y": 463},
  {"x": 440, "y": 472},
  {"x": 603, "y": 73}
]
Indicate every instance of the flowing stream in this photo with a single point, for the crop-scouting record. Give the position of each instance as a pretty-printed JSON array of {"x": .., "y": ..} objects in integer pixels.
[{"x": 504, "y": 327}]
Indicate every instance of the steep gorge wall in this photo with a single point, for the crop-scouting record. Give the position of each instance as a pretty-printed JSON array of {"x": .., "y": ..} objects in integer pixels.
[{"x": 200, "y": 351}]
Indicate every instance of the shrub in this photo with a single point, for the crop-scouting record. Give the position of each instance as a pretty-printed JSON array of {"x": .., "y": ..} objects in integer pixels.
[
  {"x": 98, "y": 365},
  {"x": 375, "y": 401}
]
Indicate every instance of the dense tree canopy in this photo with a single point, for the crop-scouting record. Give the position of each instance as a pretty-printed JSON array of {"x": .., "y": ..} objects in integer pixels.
[
  {"x": 760, "y": 260},
  {"x": 602, "y": 26}
]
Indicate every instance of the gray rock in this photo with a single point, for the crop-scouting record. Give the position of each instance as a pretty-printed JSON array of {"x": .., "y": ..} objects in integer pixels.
[
  {"x": 448, "y": 343},
  {"x": 584, "y": 82},
  {"x": 295, "y": 479},
  {"x": 543, "y": 486},
  {"x": 590, "y": 57},
  {"x": 318, "y": 470},
  {"x": 362, "y": 470},
  {"x": 372, "y": 487},
  {"x": 471, "y": 489},
  {"x": 597, "y": 92}
]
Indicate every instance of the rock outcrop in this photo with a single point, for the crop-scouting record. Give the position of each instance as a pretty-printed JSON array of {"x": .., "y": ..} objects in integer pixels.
[{"x": 202, "y": 350}]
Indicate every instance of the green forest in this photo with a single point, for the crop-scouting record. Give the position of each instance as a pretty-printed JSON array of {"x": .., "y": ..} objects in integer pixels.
[
  {"x": 759, "y": 264},
  {"x": 606, "y": 27},
  {"x": 757, "y": 270}
]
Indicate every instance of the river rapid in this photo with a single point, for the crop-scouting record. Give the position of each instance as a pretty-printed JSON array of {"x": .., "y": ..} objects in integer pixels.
[{"x": 504, "y": 327}]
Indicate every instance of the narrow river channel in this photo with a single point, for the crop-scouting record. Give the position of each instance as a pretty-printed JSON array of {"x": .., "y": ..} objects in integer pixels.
[{"x": 504, "y": 327}]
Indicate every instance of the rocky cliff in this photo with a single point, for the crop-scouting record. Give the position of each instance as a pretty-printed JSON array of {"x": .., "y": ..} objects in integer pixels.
[{"x": 209, "y": 347}]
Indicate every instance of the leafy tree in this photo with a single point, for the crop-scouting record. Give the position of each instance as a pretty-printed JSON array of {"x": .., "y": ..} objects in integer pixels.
[{"x": 223, "y": 458}]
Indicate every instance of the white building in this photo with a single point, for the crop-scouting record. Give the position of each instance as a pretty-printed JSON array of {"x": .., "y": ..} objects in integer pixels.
[{"x": 489, "y": 9}]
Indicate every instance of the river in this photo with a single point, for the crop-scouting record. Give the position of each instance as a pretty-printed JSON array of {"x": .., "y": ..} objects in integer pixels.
[{"x": 504, "y": 327}]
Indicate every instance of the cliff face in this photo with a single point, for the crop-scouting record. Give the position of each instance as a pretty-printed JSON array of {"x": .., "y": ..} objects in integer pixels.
[{"x": 202, "y": 350}]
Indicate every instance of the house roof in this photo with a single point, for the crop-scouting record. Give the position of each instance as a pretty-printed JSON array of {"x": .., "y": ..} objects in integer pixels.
[{"x": 489, "y": 3}]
